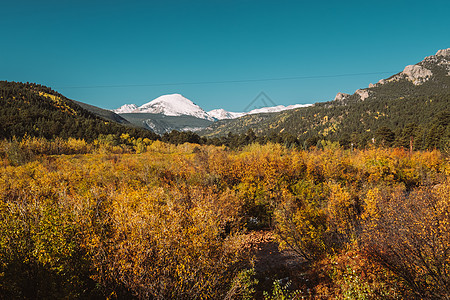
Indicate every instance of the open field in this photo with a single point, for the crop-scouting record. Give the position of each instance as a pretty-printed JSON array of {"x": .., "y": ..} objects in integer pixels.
[{"x": 159, "y": 221}]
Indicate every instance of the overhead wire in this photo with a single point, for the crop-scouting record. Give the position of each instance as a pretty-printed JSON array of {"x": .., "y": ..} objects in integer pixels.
[{"x": 223, "y": 81}]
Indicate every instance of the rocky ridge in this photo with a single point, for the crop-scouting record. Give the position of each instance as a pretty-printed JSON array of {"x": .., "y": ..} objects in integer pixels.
[{"x": 417, "y": 74}]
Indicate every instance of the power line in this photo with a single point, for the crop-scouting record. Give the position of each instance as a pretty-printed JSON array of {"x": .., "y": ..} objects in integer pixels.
[{"x": 222, "y": 82}]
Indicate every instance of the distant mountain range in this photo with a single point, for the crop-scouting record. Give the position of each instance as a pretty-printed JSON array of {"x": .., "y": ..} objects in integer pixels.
[
  {"x": 428, "y": 77},
  {"x": 175, "y": 112},
  {"x": 168, "y": 105},
  {"x": 414, "y": 103},
  {"x": 221, "y": 114},
  {"x": 178, "y": 105}
]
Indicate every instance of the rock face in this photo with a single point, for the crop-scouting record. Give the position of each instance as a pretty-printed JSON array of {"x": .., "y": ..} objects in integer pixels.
[
  {"x": 431, "y": 68},
  {"x": 341, "y": 96},
  {"x": 363, "y": 94},
  {"x": 441, "y": 59},
  {"x": 417, "y": 74},
  {"x": 443, "y": 52}
]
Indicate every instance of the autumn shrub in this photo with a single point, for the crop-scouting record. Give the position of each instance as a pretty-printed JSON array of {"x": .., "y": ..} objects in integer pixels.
[
  {"x": 281, "y": 292},
  {"x": 57, "y": 146},
  {"x": 16, "y": 155},
  {"x": 167, "y": 243},
  {"x": 40, "y": 239},
  {"x": 411, "y": 238},
  {"x": 122, "y": 225},
  {"x": 350, "y": 274},
  {"x": 243, "y": 285},
  {"x": 168, "y": 222},
  {"x": 301, "y": 221}
]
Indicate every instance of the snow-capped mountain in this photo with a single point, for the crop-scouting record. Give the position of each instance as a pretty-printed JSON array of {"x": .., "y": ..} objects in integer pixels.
[
  {"x": 174, "y": 105},
  {"x": 169, "y": 105},
  {"x": 126, "y": 108},
  {"x": 275, "y": 109},
  {"x": 177, "y": 105},
  {"x": 221, "y": 114}
]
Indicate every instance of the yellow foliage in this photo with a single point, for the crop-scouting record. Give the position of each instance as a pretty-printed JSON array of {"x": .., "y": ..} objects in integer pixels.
[{"x": 168, "y": 221}]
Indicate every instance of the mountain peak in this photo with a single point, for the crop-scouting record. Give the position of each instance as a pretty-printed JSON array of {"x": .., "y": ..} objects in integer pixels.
[
  {"x": 222, "y": 114},
  {"x": 434, "y": 70},
  {"x": 125, "y": 109},
  {"x": 443, "y": 52},
  {"x": 178, "y": 105},
  {"x": 169, "y": 105},
  {"x": 174, "y": 105}
]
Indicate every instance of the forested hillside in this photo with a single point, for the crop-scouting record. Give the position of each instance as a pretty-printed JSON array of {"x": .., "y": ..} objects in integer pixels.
[
  {"x": 390, "y": 121},
  {"x": 411, "y": 105},
  {"x": 35, "y": 110},
  {"x": 423, "y": 120}
]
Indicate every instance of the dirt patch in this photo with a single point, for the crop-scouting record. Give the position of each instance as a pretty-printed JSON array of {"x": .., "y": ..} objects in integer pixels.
[{"x": 272, "y": 264}]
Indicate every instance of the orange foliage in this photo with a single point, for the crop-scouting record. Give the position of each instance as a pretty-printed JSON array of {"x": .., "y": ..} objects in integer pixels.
[{"x": 167, "y": 221}]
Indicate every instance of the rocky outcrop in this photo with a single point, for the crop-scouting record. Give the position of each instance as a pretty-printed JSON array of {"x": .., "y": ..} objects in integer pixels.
[
  {"x": 341, "y": 96},
  {"x": 417, "y": 74},
  {"x": 441, "y": 59},
  {"x": 363, "y": 94},
  {"x": 443, "y": 52}
]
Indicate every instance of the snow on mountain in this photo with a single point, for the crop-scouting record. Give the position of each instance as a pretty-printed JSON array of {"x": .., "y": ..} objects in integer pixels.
[
  {"x": 177, "y": 105},
  {"x": 276, "y": 108},
  {"x": 174, "y": 105},
  {"x": 221, "y": 114},
  {"x": 169, "y": 105},
  {"x": 125, "y": 109}
]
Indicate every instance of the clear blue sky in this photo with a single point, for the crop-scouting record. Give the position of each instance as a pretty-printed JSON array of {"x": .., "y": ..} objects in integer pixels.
[{"x": 108, "y": 53}]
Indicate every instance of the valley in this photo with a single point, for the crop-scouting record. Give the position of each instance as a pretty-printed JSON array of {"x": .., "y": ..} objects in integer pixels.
[{"x": 345, "y": 199}]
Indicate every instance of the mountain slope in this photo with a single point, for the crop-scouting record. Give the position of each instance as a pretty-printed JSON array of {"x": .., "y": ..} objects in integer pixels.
[
  {"x": 430, "y": 76},
  {"x": 177, "y": 105},
  {"x": 410, "y": 99},
  {"x": 160, "y": 124},
  {"x": 221, "y": 114},
  {"x": 103, "y": 113},
  {"x": 35, "y": 110},
  {"x": 169, "y": 105},
  {"x": 175, "y": 112},
  {"x": 126, "y": 108}
]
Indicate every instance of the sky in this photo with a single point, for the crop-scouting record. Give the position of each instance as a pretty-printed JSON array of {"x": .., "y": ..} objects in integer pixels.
[{"x": 217, "y": 53}]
